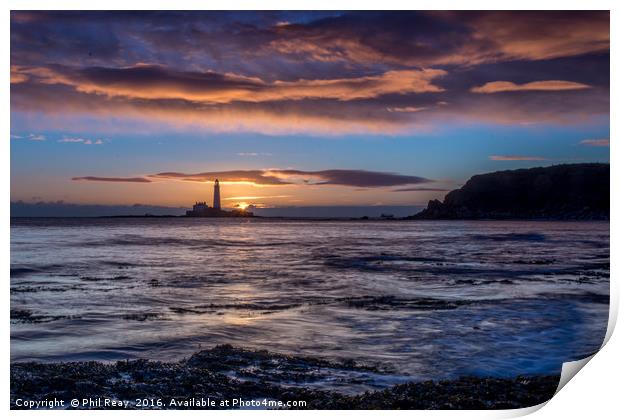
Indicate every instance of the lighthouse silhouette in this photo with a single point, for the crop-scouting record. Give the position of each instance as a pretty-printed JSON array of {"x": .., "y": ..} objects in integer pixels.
[{"x": 216, "y": 196}]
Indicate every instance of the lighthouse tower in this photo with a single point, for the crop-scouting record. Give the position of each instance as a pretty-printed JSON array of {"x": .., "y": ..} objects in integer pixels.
[{"x": 216, "y": 196}]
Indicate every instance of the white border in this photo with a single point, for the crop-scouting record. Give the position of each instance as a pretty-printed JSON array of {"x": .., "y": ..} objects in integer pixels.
[{"x": 592, "y": 395}]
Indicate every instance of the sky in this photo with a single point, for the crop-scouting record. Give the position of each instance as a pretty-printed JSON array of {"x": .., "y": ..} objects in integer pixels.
[{"x": 298, "y": 109}]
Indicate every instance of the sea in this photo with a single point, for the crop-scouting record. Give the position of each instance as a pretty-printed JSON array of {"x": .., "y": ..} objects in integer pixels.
[{"x": 424, "y": 299}]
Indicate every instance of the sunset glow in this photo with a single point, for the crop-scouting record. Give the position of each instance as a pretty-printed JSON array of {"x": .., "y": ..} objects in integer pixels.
[{"x": 298, "y": 108}]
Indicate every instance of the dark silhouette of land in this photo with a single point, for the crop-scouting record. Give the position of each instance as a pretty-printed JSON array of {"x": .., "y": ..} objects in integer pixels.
[
  {"x": 211, "y": 212},
  {"x": 560, "y": 192}
]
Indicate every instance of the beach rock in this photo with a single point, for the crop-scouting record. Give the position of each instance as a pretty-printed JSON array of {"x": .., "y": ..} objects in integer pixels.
[{"x": 200, "y": 377}]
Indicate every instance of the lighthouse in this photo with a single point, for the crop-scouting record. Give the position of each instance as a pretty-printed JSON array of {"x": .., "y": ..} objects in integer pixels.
[
  {"x": 216, "y": 196},
  {"x": 202, "y": 210}
]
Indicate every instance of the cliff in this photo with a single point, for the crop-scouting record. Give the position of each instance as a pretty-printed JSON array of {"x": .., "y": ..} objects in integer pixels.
[{"x": 577, "y": 191}]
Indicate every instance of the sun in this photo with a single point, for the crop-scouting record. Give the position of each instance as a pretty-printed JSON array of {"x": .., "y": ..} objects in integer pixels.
[{"x": 242, "y": 205}]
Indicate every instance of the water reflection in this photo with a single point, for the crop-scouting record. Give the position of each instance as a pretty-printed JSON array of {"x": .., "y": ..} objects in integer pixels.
[{"x": 431, "y": 299}]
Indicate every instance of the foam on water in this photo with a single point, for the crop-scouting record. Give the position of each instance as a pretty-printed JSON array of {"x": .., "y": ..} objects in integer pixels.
[{"x": 430, "y": 299}]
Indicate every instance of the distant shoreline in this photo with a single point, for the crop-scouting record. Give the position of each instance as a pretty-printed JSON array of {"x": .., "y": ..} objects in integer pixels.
[{"x": 319, "y": 219}]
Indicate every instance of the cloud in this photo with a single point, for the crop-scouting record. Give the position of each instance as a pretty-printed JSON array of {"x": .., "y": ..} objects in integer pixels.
[
  {"x": 406, "y": 109},
  {"x": 310, "y": 116},
  {"x": 266, "y": 40},
  {"x": 156, "y": 82},
  {"x": 269, "y": 177},
  {"x": 516, "y": 158},
  {"x": 325, "y": 73},
  {"x": 79, "y": 140},
  {"x": 17, "y": 77},
  {"x": 36, "y": 137},
  {"x": 322, "y": 116},
  {"x": 544, "y": 85},
  {"x": 255, "y": 197},
  {"x": 110, "y": 179},
  {"x": 568, "y": 107},
  {"x": 533, "y": 35},
  {"x": 595, "y": 142},
  {"x": 253, "y": 154},
  {"x": 257, "y": 177},
  {"x": 418, "y": 189},
  {"x": 354, "y": 178},
  {"x": 440, "y": 38}
]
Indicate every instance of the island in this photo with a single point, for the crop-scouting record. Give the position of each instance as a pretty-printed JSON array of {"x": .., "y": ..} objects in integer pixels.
[{"x": 559, "y": 192}]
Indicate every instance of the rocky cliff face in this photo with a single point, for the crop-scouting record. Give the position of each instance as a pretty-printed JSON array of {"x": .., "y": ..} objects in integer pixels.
[{"x": 579, "y": 191}]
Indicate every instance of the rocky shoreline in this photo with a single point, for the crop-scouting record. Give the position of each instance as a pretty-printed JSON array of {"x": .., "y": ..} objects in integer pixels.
[{"x": 225, "y": 372}]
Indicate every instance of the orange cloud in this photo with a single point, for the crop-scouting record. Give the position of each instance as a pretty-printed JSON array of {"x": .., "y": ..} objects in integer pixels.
[
  {"x": 156, "y": 82},
  {"x": 532, "y": 35},
  {"x": 444, "y": 37},
  {"x": 327, "y": 49},
  {"x": 17, "y": 76},
  {"x": 311, "y": 116},
  {"x": 544, "y": 85},
  {"x": 325, "y": 117}
]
